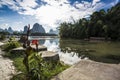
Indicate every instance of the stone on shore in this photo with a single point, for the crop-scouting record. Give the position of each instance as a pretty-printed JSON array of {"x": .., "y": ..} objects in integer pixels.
[
  {"x": 90, "y": 70},
  {"x": 21, "y": 49},
  {"x": 1, "y": 43},
  {"x": 49, "y": 56}
]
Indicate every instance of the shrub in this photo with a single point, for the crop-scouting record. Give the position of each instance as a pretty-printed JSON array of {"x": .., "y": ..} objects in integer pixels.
[
  {"x": 23, "y": 38},
  {"x": 12, "y": 43},
  {"x": 38, "y": 68},
  {"x": 2, "y": 37}
]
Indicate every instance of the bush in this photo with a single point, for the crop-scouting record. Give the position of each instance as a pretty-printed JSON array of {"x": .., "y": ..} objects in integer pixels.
[
  {"x": 23, "y": 38},
  {"x": 38, "y": 68},
  {"x": 31, "y": 65},
  {"x": 2, "y": 37},
  {"x": 12, "y": 43}
]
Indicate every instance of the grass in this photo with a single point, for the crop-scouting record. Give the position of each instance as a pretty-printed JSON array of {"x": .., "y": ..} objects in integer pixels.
[
  {"x": 49, "y": 69},
  {"x": 38, "y": 68},
  {"x": 18, "y": 64},
  {"x": 10, "y": 44},
  {"x": 53, "y": 70}
]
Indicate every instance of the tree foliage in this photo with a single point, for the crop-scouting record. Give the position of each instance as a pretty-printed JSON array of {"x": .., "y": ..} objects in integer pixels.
[{"x": 100, "y": 24}]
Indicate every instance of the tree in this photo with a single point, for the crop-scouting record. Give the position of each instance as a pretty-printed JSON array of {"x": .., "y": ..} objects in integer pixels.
[{"x": 101, "y": 24}]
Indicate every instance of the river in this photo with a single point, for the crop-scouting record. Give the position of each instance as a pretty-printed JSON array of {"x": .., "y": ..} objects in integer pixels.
[{"x": 71, "y": 51}]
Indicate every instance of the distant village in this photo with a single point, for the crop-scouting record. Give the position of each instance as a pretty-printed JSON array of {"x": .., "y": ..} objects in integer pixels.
[{"x": 37, "y": 30}]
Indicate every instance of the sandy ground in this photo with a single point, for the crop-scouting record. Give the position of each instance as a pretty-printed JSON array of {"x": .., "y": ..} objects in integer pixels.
[{"x": 6, "y": 67}]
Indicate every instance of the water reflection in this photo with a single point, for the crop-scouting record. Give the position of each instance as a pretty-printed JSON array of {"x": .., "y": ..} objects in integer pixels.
[
  {"x": 55, "y": 41},
  {"x": 108, "y": 52},
  {"x": 51, "y": 41},
  {"x": 72, "y": 51},
  {"x": 51, "y": 45},
  {"x": 65, "y": 56},
  {"x": 42, "y": 41}
]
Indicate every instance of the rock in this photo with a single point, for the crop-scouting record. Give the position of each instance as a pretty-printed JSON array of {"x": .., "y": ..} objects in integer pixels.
[
  {"x": 22, "y": 50},
  {"x": 18, "y": 50},
  {"x": 49, "y": 56},
  {"x": 25, "y": 29},
  {"x": 56, "y": 32},
  {"x": 90, "y": 70},
  {"x": 10, "y": 30},
  {"x": 40, "y": 48},
  {"x": 1, "y": 44},
  {"x": 37, "y": 28}
]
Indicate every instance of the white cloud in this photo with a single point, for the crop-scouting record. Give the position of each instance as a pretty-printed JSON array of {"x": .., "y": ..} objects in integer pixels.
[
  {"x": 9, "y": 3},
  {"x": 4, "y": 26},
  {"x": 55, "y": 11},
  {"x": 95, "y": 2},
  {"x": 114, "y": 3},
  {"x": 14, "y": 26},
  {"x": 18, "y": 22},
  {"x": 59, "y": 11},
  {"x": 26, "y": 4}
]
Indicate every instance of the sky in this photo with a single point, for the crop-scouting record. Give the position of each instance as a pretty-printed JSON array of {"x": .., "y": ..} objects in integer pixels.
[{"x": 48, "y": 13}]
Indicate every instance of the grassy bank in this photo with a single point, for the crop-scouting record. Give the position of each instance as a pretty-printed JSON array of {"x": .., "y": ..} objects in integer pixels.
[
  {"x": 48, "y": 69},
  {"x": 39, "y": 69}
]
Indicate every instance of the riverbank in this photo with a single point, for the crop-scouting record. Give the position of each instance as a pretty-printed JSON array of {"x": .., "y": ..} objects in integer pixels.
[
  {"x": 6, "y": 67},
  {"x": 90, "y": 70},
  {"x": 84, "y": 67},
  {"x": 44, "y": 72}
]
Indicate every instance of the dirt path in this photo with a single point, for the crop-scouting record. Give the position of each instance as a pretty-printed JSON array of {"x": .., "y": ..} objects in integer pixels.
[{"x": 6, "y": 67}]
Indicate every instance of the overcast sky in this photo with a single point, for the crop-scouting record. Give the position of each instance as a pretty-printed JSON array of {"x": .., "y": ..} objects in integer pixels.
[{"x": 49, "y": 13}]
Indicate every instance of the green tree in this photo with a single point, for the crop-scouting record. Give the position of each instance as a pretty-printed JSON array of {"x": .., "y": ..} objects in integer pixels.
[{"x": 100, "y": 24}]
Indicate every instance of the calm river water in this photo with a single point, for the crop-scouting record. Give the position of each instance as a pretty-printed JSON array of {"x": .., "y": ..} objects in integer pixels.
[{"x": 72, "y": 51}]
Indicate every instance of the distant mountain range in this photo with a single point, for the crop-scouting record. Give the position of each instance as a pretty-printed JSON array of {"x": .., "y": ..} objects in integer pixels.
[
  {"x": 37, "y": 28},
  {"x": 53, "y": 31},
  {"x": 10, "y": 30}
]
